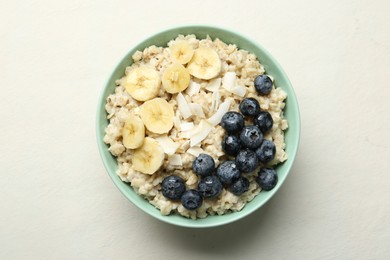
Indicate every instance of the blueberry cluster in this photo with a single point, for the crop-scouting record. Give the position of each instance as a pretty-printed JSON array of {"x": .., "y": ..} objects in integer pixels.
[
  {"x": 246, "y": 149},
  {"x": 247, "y": 142},
  {"x": 213, "y": 181},
  {"x": 244, "y": 142},
  {"x": 247, "y": 145},
  {"x": 173, "y": 187},
  {"x": 209, "y": 186}
]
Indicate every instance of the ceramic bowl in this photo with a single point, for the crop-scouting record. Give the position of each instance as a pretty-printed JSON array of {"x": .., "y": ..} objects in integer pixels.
[{"x": 291, "y": 112}]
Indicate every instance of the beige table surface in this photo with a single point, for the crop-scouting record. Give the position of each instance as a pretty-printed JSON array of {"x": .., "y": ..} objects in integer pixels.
[{"x": 57, "y": 202}]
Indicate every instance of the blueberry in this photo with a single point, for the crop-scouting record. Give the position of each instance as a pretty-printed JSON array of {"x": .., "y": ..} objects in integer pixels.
[
  {"x": 249, "y": 107},
  {"x": 263, "y": 84},
  {"x": 191, "y": 199},
  {"x": 203, "y": 165},
  {"x": 228, "y": 172},
  {"x": 173, "y": 187},
  {"x": 264, "y": 121},
  {"x": 247, "y": 161},
  {"x": 210, "y": 187},
  {"x": 231, "y": 145},
  {"x": 240, "y": 186},
  {"x": 251, "y": 137},
  {"x": 232, "y": 122},
  {"x": 267, "y": 179},
  {"x": 266, "y": 151}
]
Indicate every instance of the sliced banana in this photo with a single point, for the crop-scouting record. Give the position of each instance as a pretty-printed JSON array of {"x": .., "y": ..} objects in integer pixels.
[
  {"x": 176, "y": 78},
  {"x": 205, "y": 64},
  {"x": 143, "y": 83},
  {"x": 157, "y": 115},
  {"x": 133, "y": 132},
  {"x": 149, "y": 157},
  {"x": 181, "y": 52}
]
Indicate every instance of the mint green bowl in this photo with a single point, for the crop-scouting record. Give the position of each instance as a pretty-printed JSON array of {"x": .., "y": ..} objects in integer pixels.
[{"x": 291, "y": 112}]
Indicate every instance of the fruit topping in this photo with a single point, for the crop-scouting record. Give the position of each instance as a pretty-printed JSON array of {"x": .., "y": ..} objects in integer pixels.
[
  {"x": 251, "y": 137},
  {"x": 203, "y": 165},
  {"x": 133, "y": 132},
  {"x": 231, "y": 145},
  {"x": 249, "y": 107},
  {"x": 181, "y": 52},
  {"x": 228, "y": 172},
  {"x": 205, "y": 64},
  {"x": 210, "y": 187},
  {"x": 149, "y": 157},
  {"x": 267, "y": 179},
  {"x": 266, "y": 151},
  {"x": 157, "y": 115},
  {"x": 175, "y": 78},
  {"x": 263, "y": 84},
  {"x": 232, "y": 122},
  {"x": 191, "y": 199},
  {"x": 240, "y": 186},
  {"x": 246, "y": 161},
  {"x": 142, "y": 83},
  {"x": 264, "y": 121},
  {"x": 173, "y": 187}
]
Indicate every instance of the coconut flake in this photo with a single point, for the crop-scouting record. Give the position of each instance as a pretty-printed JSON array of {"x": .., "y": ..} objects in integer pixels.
[
  {"x": 195, "y": 151},
  {"x": 186, "y": 126},
  {"x": 229, "y": 83},
  {"x": 193, "y": 88},
  {"x": 197, "y": 110},
  {"x": 175, "y": 160},
  {"x": 202, "y": 131},
  {"x": 239, "y": 91},
  {"x": 190, "y": 133},
  {"x": 229, "y": 80},
  {"x": 215, "y": 99},
  {"x": 214, "y": 84},
  {"x": 168, "y": 145},
  {"x": 184, "y": 146},
  {"x": 185, "y": 135},
  {"x": 216, "y": 118},
  {"x": 176, "y": 120},
  {"x": 183, "y": 106}
]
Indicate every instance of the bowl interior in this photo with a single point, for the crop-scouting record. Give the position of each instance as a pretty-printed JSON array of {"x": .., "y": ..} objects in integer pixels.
[{"x": 291, "y": 112}]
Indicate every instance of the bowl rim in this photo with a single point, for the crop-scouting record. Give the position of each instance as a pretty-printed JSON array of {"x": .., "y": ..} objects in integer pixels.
[{"x": 191, "y": 223}]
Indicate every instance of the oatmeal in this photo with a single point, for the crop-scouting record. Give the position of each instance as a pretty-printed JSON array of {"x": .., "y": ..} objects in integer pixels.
[{"x": 166, "y": 112}]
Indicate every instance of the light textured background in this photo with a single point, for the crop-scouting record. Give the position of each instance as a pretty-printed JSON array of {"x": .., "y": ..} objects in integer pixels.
[{"x": 57, "y": 202}]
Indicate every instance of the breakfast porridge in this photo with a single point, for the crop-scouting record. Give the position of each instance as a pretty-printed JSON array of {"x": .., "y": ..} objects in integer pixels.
[{"x": 196, "y": 127}]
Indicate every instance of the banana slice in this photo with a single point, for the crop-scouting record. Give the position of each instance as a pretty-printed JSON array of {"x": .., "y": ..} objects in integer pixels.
[
  {"x": 157, "y": 115},
  {"x": 143, "y": 83},
  {"x": 205, "y": 64},
  {"x": 149, "y": 157},
  {"x": 175, "y": 78},
  {"x": 133, "y": 132},
  {"x": 181, "y": 52}
]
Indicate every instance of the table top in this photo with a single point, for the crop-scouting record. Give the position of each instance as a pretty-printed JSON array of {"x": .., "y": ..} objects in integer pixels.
[{"x": 57, "y": 201}]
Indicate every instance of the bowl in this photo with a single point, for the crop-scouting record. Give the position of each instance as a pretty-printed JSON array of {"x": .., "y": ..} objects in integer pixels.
[{"x": 291, "y": 112}]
